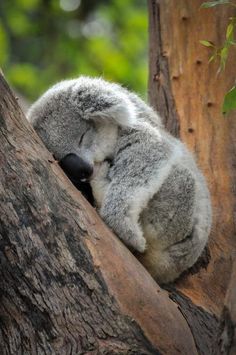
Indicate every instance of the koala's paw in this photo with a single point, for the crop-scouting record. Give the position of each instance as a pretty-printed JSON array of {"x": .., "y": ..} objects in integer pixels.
[
  {"x": 141, "y": 245},
  {"x": 137, "y": 242},
  {"x": 101, "y": 171}
]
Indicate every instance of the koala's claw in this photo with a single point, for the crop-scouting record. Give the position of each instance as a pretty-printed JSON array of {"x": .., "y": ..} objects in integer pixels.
[{"x": 140, "y": 245}]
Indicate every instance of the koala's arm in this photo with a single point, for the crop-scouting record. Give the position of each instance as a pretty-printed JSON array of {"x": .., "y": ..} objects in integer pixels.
[{"x": 113, "y": 203}]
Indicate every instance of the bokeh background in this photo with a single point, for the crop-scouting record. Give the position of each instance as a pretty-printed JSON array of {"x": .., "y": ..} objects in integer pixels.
[{"x": 44, "y": 41}]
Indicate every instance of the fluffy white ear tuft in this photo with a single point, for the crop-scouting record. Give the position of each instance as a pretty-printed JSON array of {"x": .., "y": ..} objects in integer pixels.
[{"x": 121, "y": 112}]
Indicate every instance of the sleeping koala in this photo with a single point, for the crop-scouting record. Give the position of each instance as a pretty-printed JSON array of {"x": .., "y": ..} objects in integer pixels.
[{"x": 145, "y": 183}]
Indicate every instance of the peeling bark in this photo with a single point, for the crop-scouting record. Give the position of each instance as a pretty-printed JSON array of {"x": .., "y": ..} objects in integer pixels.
[
  {"x": 226, "y": 339},
  {"x": 203, "y": 324}
]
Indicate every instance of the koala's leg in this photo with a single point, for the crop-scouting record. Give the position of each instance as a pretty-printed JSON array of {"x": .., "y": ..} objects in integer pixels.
[
  {"x": 178, "y": 233},
  {"x": 167, "y": 265}
]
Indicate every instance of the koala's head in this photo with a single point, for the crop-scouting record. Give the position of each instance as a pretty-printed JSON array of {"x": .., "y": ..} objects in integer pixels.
[{"x": 78, "y": 122}]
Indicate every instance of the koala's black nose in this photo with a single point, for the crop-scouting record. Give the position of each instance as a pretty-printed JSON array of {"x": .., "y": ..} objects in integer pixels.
[{"x": 75, "y": 167}]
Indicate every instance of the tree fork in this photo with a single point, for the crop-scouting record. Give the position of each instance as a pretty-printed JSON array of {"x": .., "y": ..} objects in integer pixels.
[
  {"x": 176, "y": 28},
  {"x": 67, "y": 284}
]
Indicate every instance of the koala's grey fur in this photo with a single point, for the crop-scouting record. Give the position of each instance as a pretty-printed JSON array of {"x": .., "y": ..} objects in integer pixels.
[{"x": 151, "y": 193}]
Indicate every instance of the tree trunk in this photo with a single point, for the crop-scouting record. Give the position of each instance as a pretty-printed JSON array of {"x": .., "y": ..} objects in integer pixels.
[
  {"x": 226, "y": 339},
  {"x": 188, "y": 93},
  {"x": 67, "y": 284}
]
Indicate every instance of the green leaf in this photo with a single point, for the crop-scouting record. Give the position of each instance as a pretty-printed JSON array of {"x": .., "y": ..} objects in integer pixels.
[
  {"x": 223, "y": 56},
  {"x": 229, "y": 101},
  {"x": 206, "y": 43},
  {"x": 214, "y": 3},
  {"x": 229, "y": 31}
]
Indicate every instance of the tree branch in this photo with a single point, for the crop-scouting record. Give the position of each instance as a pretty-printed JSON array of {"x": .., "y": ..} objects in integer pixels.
[{"x": 67, "y": 284}]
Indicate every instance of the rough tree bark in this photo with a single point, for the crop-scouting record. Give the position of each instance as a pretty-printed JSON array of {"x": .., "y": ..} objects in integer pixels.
[{"x": 184, "y": 87}]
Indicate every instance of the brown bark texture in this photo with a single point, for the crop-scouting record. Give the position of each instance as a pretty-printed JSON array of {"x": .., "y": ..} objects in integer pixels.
[
  {"x": 226, "y": 337},
  {"x": 186, "y": 89},
  {"x": 67, "y": 284}
]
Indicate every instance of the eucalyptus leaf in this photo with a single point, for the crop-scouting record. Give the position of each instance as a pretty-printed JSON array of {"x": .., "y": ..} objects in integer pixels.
[
  {"x": 230, "y": 31},
  {"x": 223, "y": 56},
  {"x": 214, "y": 3},
  {"x": 229, "y": 101},
  {"x": 206, "y": 43}
]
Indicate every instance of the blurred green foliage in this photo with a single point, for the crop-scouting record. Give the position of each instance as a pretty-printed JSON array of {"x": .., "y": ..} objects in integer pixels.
[{"x": 44, "y": 41}]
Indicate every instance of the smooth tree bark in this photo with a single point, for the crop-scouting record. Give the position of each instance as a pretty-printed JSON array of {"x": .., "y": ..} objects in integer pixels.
[{"x": 188, "y": 93}]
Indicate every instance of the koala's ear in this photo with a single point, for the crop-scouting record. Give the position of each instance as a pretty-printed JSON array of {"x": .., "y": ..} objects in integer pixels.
[{"x": 120, "y": 111}]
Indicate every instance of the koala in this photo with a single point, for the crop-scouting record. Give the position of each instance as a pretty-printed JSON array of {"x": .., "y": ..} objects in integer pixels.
[{"x": 145, "y": 183}]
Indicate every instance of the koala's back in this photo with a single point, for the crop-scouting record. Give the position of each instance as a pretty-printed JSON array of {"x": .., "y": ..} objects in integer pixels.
[
  {"x": 168, "y": 192},
  {"x": 163, "y": 167}
]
